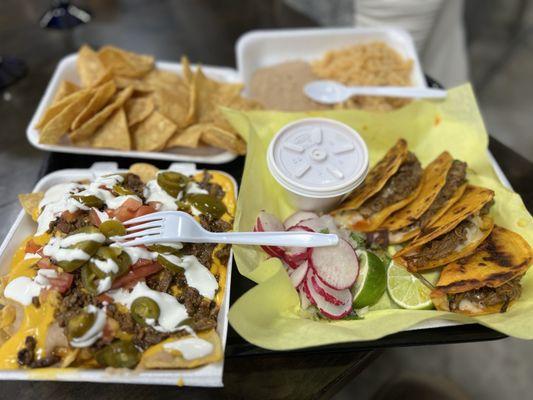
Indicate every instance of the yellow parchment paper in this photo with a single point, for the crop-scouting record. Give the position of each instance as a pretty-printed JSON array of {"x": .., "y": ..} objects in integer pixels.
[{"x": 269, "y": 314}]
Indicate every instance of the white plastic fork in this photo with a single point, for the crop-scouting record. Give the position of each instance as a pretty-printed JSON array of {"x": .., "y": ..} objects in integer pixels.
[{"x": 178, "y": 226}]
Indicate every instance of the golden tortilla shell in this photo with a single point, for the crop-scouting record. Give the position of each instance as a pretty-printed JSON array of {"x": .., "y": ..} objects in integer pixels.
[
  {"x": 433, "y": 180},
  {"x": 156, "y": 357},
  {"x": 377, "y": 177}
]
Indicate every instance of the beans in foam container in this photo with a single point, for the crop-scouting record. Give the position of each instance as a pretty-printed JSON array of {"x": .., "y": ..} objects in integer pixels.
[{"x": 318, "y": 161}]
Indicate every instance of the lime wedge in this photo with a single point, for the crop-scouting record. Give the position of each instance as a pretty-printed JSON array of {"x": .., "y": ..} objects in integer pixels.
[
  {"x": 371, "y": 281},
  {"x": 408, "y": 291}
]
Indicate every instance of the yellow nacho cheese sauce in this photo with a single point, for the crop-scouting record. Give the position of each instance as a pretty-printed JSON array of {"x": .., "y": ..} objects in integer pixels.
[{"x": 35, "y": 321}]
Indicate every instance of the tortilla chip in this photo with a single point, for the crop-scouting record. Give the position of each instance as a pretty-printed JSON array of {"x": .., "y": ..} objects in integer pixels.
[
  {"x": 161, "y": 79},
  {"x": 218, "y": 137},
  {"x": 54, "y": 109},
  {"x": 89, "y": 127},
  {"x": 377, "y": 177},
  {"x": 60, "y": 124},
  {"x": 433, "y": 179},
  {"x": 138, "y": 109},
  {"x": 157, "y": 357},
  {"x": 189, "y": 137},
  {"x": 114, "y": 133},
  {"x": 100, "y": 98},
  {"x": 473, "y": 200},
  {"x": 145, "y": 171},
  {"x": 125, "y": 63},
  {"x": 176, "y": 105},
  {"x": 90, "y": 68},
  {"x": 188, "y": 75},
  {"x": 123, "y": 82},
  {"x": 504, "y": 256},
  {"x": 65, "y": 88},
  {"x": 153, "y": 133},
  {"x": 30, "y": 203}
]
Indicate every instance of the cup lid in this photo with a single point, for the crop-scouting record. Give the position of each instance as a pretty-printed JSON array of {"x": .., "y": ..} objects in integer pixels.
[{"x": 318, "y": 157}]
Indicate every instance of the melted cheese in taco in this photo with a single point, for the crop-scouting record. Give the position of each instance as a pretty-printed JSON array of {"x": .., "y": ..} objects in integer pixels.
[{"x": 76, "y": 298}]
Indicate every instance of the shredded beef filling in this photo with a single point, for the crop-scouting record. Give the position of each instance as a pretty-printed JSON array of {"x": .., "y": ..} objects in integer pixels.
[
  {"x": 487, "y": 296},
  {"x": 442, "y": 246},
  {"x": 203, "y": 312},
  {"x": 397, "y": 188},
  {"x": 455, "y": 178}
]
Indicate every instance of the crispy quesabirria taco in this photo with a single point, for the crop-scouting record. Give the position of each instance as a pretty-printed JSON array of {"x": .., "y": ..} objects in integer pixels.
[
  {"x": 391, "y": 184},
  {"x": 443, "y": 183},
  {"x": 486, "y": 281},
  {"x": 455, "y": 235},
  {"x": 75, "y": 297}
]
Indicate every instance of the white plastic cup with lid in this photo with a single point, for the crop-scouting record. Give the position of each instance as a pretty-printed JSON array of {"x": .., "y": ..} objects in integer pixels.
[{"x": 318, "y": 161}]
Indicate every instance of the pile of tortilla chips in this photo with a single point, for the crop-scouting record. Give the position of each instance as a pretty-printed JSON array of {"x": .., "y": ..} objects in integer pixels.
[{"x": 126, "y": 103}]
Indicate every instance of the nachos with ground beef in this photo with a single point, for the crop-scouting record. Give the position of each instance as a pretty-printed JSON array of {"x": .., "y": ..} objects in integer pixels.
[{"x": 75, "y": 297}]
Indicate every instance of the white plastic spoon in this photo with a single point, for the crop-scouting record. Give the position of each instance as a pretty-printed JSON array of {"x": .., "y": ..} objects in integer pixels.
[{"x": 332, "y": 92}]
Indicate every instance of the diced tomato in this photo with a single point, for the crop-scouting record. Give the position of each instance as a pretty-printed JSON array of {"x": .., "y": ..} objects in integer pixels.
[
  {"x": 143, "y": 210},
  {"x": 32, "y": 247},
  {"x": 127, "y": 210},
  {"x": 109, "y": 331},
  {"x": 141, "y": 263},
  {"x": 110, "y": 212},
  {"x": 94, "y": 218},
  {"x": 62, "y": 282},
  {"x": 46, "y": 263},
  {"x": 135, "y": 275}
]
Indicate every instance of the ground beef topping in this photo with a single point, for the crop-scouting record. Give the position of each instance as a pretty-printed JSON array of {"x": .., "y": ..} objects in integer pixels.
[
  {"x": 397, "y": 188},
  {"x": 26, "y": 356},
  {"x": 133, "y": 183},
  {"x": 69, "y": 223}
]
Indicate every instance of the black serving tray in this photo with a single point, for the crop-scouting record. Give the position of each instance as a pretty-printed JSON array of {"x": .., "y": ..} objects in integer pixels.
[{"x": 236, "y": 345}]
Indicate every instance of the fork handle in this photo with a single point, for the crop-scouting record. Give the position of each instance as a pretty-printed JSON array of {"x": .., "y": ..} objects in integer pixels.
[{"x": 300, "y": 239}]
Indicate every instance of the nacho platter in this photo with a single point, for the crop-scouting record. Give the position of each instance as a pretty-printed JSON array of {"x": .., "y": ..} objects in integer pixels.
[
  {"x": 66, "y": 70},
  {"x": 207, "y": 375}
]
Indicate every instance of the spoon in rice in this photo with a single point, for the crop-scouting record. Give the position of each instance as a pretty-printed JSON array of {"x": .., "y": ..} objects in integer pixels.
[{"x": 332, "y": 92}]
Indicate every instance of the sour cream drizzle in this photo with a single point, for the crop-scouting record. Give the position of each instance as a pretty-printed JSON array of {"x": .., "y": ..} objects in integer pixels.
[
  {"x": 95, "y": 332},
  {"x": 23, "y": 289},
  {"x": 154, "y": 192},
  {"x": 190, "y": 348},
  {"x": 171, "y": 312},
  {"x": 57, "y": 247}
]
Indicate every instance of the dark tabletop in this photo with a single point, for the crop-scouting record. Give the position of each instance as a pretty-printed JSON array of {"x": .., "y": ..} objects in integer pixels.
[{"x": 206, "y": 32}]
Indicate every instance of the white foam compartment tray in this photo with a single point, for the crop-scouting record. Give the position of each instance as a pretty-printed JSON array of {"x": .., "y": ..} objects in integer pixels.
[{"x": 207, "y": 376}]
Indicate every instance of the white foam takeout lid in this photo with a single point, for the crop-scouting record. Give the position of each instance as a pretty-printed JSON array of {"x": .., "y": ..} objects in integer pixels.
[{"x": 318, "y": 157}]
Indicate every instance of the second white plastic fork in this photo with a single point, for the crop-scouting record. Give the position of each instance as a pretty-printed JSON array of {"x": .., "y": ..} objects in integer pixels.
[{"x": 178, "y": 226}]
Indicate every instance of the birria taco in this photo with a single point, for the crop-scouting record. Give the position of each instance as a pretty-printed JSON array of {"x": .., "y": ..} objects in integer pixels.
[
  {"x": 443, "y": 183},
  {"x": 391, "y": 184},
  {"x": 488, "y": 280},
  {"x": 455, "y": 235}
]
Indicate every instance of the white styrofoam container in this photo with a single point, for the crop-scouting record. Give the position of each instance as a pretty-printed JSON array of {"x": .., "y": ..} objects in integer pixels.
[
  {"x": 263, "y": 48},
  {"x": 207, "y": 376},
  {"x": 66, "y": 69}
]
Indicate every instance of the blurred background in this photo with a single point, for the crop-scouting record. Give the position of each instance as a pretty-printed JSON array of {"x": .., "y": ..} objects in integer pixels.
[{"x": 486, "y": 42}]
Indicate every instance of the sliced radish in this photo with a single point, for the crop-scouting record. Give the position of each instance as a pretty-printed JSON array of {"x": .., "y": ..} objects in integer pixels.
[
  {"x": 297, "y": 275},
  {"x": 333, "y": 296},
  {"x": 336, "y": 266},
  {"x": 267, "y": 223},
  {"x": 327, "y": 309},
  {"x": 325, "y": 223},
  {"x": 294, "y": 256},
  {"x": 298, "y": 217}
]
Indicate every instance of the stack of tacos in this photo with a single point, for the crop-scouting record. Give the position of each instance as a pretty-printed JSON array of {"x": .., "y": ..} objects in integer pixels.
[{"x": 443, "y": 222}]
